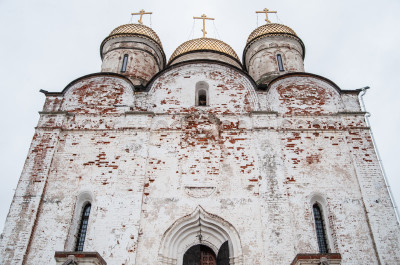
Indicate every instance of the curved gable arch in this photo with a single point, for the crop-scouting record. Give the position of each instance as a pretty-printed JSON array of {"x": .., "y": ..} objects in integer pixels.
[
  {"x": 304, "y": 94},
  {"x": 100, "y": 74},
  {"x": 184, "y": 233},
  {"x": 98, "y": 94},
  {"x": 230, "y": 90},
  {"x": 304, "y": 74}
]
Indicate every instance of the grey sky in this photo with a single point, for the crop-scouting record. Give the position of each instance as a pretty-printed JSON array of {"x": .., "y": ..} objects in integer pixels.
[{"x": 47, "y": 44}]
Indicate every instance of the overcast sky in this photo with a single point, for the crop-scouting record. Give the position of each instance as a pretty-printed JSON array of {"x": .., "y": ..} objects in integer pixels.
[{"x": 45, "y": 44}]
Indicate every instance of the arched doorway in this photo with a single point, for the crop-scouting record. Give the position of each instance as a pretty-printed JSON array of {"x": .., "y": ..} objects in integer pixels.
[
  {"x": 216, "y": 233},
  {"x": 199, "y": 255},
  {"x": 203, "y": 255}
]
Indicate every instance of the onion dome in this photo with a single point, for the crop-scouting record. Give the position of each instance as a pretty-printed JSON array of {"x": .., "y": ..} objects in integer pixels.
[
  {"x": 273, "y": 29},
  {"x": 270, "y": 28},
  {"x": 198, "y": 49},
  {"x": 129, "y": 30}
]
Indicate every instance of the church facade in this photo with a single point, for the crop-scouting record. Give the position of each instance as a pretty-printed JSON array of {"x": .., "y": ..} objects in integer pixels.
[{"x": 204, "y": 159}]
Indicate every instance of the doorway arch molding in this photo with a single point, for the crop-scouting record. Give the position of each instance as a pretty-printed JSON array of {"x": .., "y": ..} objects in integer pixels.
[{"x": 183, "y": 234}]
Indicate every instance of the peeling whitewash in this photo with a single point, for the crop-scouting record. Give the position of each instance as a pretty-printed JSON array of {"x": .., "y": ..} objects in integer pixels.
[{"x": 249, "y": 165}]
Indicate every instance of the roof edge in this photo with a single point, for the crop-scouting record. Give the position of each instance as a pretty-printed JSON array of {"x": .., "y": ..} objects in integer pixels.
[
  {"x": 287, "y": 75},
  {"x": 205, "y": 50},
  {"x": 47, "y": 93},
  {"x": 169, "y": 67}
]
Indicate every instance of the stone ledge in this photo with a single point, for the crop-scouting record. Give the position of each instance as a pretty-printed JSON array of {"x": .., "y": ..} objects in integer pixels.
[
  {"x": 352, "y": 113},
  {"x": 316, "y": 259},
  {"x": 139, "y": 113},
  {"x": 264, "y": 113},
  {"x": 322, "y": 130},
  {"x": 79, "y": 258},
  {"x": 55, "y": 113}
]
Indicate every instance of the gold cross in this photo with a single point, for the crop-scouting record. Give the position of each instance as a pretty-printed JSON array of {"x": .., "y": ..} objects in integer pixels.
[
  {"x": 266, "y": 11},
  {"x": 141, "y": 13},
  {"x": 204, "y": 17}
]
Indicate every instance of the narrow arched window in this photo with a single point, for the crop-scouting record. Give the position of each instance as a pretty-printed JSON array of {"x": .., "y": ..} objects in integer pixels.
[
  {"x": 83, "y": 227},
  {"x": 280, "y": 63},
  {"x": 124, "y": 63},
  {"x": 320, "y": 229},
  {"x": 202, "y": 97},
  {"x": 202, "y": 93}
]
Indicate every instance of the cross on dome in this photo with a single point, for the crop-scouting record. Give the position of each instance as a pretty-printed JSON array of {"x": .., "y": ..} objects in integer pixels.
[
  {"x": 204, "y": 17},
  {"x": 266, "y": 12},
  {"x": 141, "y": 13}
]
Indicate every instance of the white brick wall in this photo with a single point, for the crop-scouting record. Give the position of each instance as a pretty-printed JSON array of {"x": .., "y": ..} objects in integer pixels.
[{"x": 254, "y": 161}]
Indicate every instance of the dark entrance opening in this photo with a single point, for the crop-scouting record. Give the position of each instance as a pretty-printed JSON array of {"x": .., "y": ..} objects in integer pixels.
[
  {"x": 223, "y": 254},
  {"x": 203, "y": 255}
]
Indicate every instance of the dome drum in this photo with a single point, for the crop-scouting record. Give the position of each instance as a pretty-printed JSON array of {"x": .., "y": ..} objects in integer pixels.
[
  {"x": 271, "y": 50},
  {"x": 205, "y": 49},
  {"x": 133, "y": 50},
  {"x": 135, "y": 43},
  {"x": 206, "y": 55}
]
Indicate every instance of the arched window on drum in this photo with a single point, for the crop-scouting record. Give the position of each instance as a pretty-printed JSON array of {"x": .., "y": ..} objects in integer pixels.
[
  {"x": 124, "y": 63},
  {"x": 280, "y": 62}
]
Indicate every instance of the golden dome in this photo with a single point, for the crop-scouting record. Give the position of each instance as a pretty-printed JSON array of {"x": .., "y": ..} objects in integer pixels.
[
  {"x": 270, "y": 29},
  {"x": 134, "y": 29},
  {"x": 204, "y": 44}
]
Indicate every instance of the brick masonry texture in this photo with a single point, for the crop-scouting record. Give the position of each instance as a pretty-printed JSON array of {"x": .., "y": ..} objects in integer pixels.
[{"x": 255, "y": 160}]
